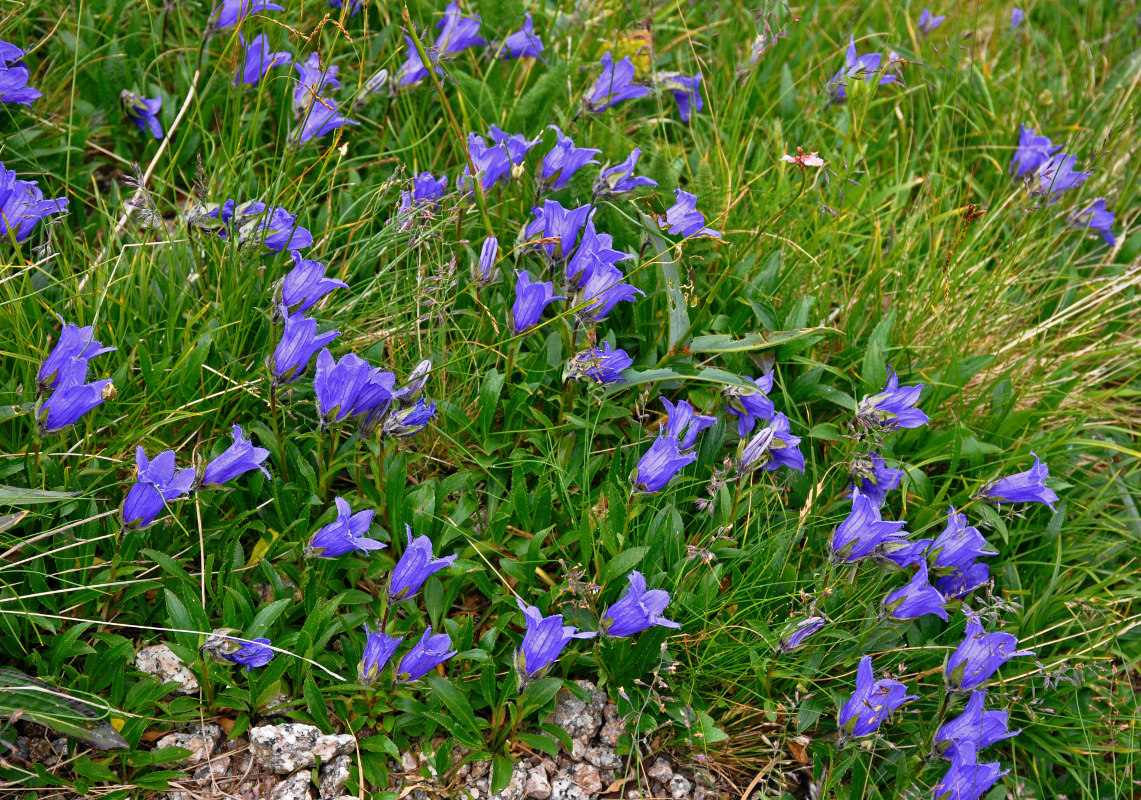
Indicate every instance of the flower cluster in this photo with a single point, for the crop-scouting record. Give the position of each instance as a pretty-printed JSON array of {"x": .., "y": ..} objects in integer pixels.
[{"x": 63, "y": 394}]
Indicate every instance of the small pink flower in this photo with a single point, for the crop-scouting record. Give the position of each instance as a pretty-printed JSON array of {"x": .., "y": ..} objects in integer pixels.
[{"x": 803, "y": 159}]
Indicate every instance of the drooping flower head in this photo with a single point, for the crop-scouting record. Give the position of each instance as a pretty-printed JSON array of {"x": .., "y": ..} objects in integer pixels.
[
  {"x": 523, "y": 43},
  {"x": 412, "y": 71},
  {"x": 800, "y": 634},
  {"x": 871, "y": 703},
  {"x": 254, "y": 653},
  {"x": 425, "y": 189},
  {"x": 492, "y": 162},
  {"x": 979, "y": 656},
  {"x": 748, "y": 404},
  {"x": 320, "y": 118},
  {"x": 685, "y": 423},
  {"x": 1022, "y": 487},
  {"x": 897, "y": 552},
  {"x": 563, "y": 161},
  {"x": 683, "y": 217},
  {"x": 22, "y": 205},
  {"x": 515, "y": 144},
  {"x": 485, "y": 268},
  {"x": 594, "y": 249},
  {"x": 530, "y": 301},
  {"x": 1017, "y": 17},
  {"x": 379, "y": 648},
  {"x": 637, "y": 609},
  {"x": 312, "y": 79},
  {"x": 543, "y": 642},
  {"x": 862, "y": 531},
  {"x": 619, "y": 179},
  {"x": 872, "y": 477},
  {"x": 599, "y": 364},
  {"x": 259, "y": 59},
  {"x": 304, "y": 285},
  {"x": 143, "y": 112},
  {"x": 238, "y": 459},
  {"x": 961, "y": 582},
  {"x": 771, "y": 448},
  {"x": 915, "y": 599},
  {"x": 659, "y": 464},
  {"x": 558, "y": 227},
  {"x": 337, "y": 384},
  {"x": 425, "y": 656},
  {"x": 857, "y": 67},
  {"x": 602, "y": 289},
  {"x": 299, "y": 341},
  {"x": 374, "y": 399},
  {"x": 614, "y": 84},
  {"x": 686, "y": 92},
  {"x": 231, "y": 12},
  {"x": 1032, "y": 154},
  {"x": 74, "y": 348},
  {"x": 928, "y": 22},
  {"x": 410, "y": 420},
  {"x": 70, "y": 401},
  {"x": 258, "y": 223},
  {"x": 457, "y": 32},
  {"x": 14, "y": 77},
  {"x": 158, "y": 482},
  {"x": 1058, "y": 175},
  {"x": 975, "y": 727},
  {"x": 892, "y": 407},
  {"x": 416, "y": 565},
  {"x": 344, "y": 534},
  {"x": 967, "y": 779},
  {"x": 1096, "y": 218},
  {"x": 958, "y": 545}
]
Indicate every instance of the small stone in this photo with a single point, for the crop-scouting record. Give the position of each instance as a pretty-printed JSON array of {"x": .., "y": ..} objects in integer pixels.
[
  {"x": 580, "y": 720},
  {"x": 298, "y": 786},
  {"x": 200, "y": 740},
  {"x": 679, "y": 788},
  {"x": 586, "y": 777},
  {"x": 333, "y": 776},
  {"x": 213, "y": 769},
  {"x": 284, "y": 749},
  {"x": 408, "y": 761},
  {"x": 660, "y": 771},
  {"x": 160, "y": 661},
  {"x": 610, "y": 733},
  {"x": 603, "y": 757},
  {"x": 537, "y": 786}
]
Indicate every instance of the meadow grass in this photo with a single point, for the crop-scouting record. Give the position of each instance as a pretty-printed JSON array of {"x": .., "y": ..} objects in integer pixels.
[{"x": 912, "y": 248}]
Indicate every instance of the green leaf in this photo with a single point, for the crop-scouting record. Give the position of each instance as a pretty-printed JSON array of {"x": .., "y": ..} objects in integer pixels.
[
  {"x": 39, "y": 702},
  {"x": 723, "y": 343},
  {"x": 501, "y": 770},
  {"x": 315, "y": 702},
  {"x": 266, "y": 616},
  {"x": 537, "y": 741},
  {"x": 679, "y": 323},
  {"x": 456, "y": 702},
  {"x": 19, "y": 496},
  {"x": 624, "y": 562},
  {"x": 539, "y": 693}
]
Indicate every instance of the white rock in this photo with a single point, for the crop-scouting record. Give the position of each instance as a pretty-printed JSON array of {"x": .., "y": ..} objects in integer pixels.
[
  {"x": 161, "y": 662},
  {"x": 537, "y": 787},
  {"x": 215, "y": 768},
  {"x": 284, "y": 749},
  {"x": 660, "y": 771},
  {"x": 199, "y": 740},
  {"x": 298, "y": 786},
  {"x": 581, "y": 720},
  {"x": 679, "y": 788},
  {"x": 333, "y": 775},
  {"x": 586, "y": 777},
  {"x": 603, "y": 757}
]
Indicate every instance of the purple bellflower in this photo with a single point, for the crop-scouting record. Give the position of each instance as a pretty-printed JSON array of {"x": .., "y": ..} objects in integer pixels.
[
  {"x": 1017, "y": 17},
  {"x": 14, "y": 77},
  {"x": 928, "y": 22},
  {"x": 410, "y": 420},
  {"x": 1022, "y": 487},
  {"x": 873, "y": 478},
  {"x": 523, "y": 43},
  {"x": 304, "y": 285},
  {"x": 1097, "y": 219},
  {"x": 685, "y": 423},
  {"x": 22, "y": 205},
  {"x": 416, "y": 565},
  {"x": 411, "y": 390},
  {"x": 344, "y": 534},
  {"x": 412, "y": 71},
  {"x": 895, "y": 551},
  {"x": 619, "y": 179},
  {"x": 530, "y": 301},
  {"x": 254, "y": 653},
  {"x": 614, "y": 85},
  {"x": 158, "y": 483},
  {"x": 457, "y": 32},
  {"x": 749, "y": 405},
  {"x": 425, "y": 656},
  {"x": 861, "y": 67},
  {"x": 425, "y": 189},
  {"x": 72, "y": 399},
  {"x": 979, "y": 656},
  {"x": 231, "y": 12},
  {"x": 143, "y": 112},
  {"x": 771, "y": 448},
  {"x": 74, "y": 348},
  {"x": 602, "y": 289},
  {"x": 337, "y": 384},
  {"x": 958, "y": 545},
  {"x": 558, "y": 227},
  {"x": 485, "y": 267},
  {"x": 967, "y": 779},
  {"x": 1058, "y": 175},
  {"x": 379, "y": 648},
  {"x": 636, "y": 610},
  {"x": 516, "y": 144},
  {"x": 9, "y": 53},
  {"x": 321, "y": 118},
  {"x": 594, "y": 249},
  {"x": 259, "y": 60},
  {"x": 299, "y": 341},
  {"x": 599, "y": 364},
  {"x": 491, "y": 162},
  {"x": 871, "y": 703},
  {"x": 543, "y": 642},
  {"x": 863, "y": 530},
  {"x": 683, "y": 217},
  {"x": 659, "y": 464},
  {"x": 238, "y": 459},
  {"x": 800, "y": 634},
  {"x": 272, "y": 226},
  {"x": 375, "y": 397},
  {"x": 893, "y": 407},
  {"x": 686, "y": 92},
  {"x": 961, "y": 582},
  {"x": 974, "y": 727},
  {"x": 563, "y": 161},
  {"x": 916, "y": 599},
  {"x": 1033, "y": 153}
]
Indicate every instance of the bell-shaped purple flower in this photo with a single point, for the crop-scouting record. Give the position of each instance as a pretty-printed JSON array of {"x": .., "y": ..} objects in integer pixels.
[
  {"x": 1033, "y": 153},
  {"x": 14, "y": 77},
  {"x": 928, "y": 22},
  {"x": 614, "y": 84},
  {"x": 749, "y": 405},
  {"x": 683, "y": 217},
  {"x": 979, "y": 656},
  {"x": 259, "y": 59},
  {"x": 636, "y": 610},
  {"x": 374, "y": 398},
  {"x": 857, "y": 67},
  {"x": 305, "y": 284},
  {"x": 379, "y": 648},
  {"x": 1096, "y": 218},
  {"x": 337, "y": 383},
  {"x": 530, "y": 301},
  {"x": 563, "y": 161},
  {"x": 457, "y": 32},
  {"x": 271, "y": 226},
  {"x": 159, "y": 482},
  {"x": 958, "y": 545},
  {"x": 344, "y": 534},
  {"x": 975, "y": 727},
  {"x": 412, "y": 71},
  {"x": 961, "y": 582},
  {"x": 1022, "y": 487},
  {"x": 485, "y": 267},
  {"x": 516, "y": 144},
  {"x": 967, "y": 779},
  {"x": 895, "y": 551},
  {"x": 686, "y": 92},
  {"x": 558, "y": 227},
  {"x": 254, "y": 653},
  {"x": 916, "y": 599},
  {"x": 74, "y": 348},
  {"x": 685, "y": 423},
  {"x": 543, "y": 642},
  {"x": 415, "y": 566},
  {"x": 426, "y": 189},
  {"x": 873, "y": 478},
  {"x": 800, "y": 634},
  {"x": 523, "y": 43},
  {"x": 602, "y": 289},
  {"x": 1058, "y": 175},
  {"x": 871, "y": 703},
  {"x": 22, "y": 205},
  {"x": 70, "y": 401},
  {"x": 893, "y": 407},
  {"x": 771, "y": 448},
  {"x": 660, "y": 464},
  {"x": 599, "y": 364},
  {"x": 425, "y": 656},
  {"x": 410, "y": 392},
  {"x": 409, "y": 421},
  {"x": 238, "y": 459},
  {"x": 492, "y": 162},
  {"x": 594, "y": 249},
  {"x": 312, "y": 79},
  {"x": 619, "y": 179},
  {"x": 143, "y": 112},
  {"x": 863, "y": 530},
  {"x": 1017, "y": 17},
  {"x": 320, "y": 118},
  {"x": 299, "y": 341},
  {"x": 231, "y": 12}
]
